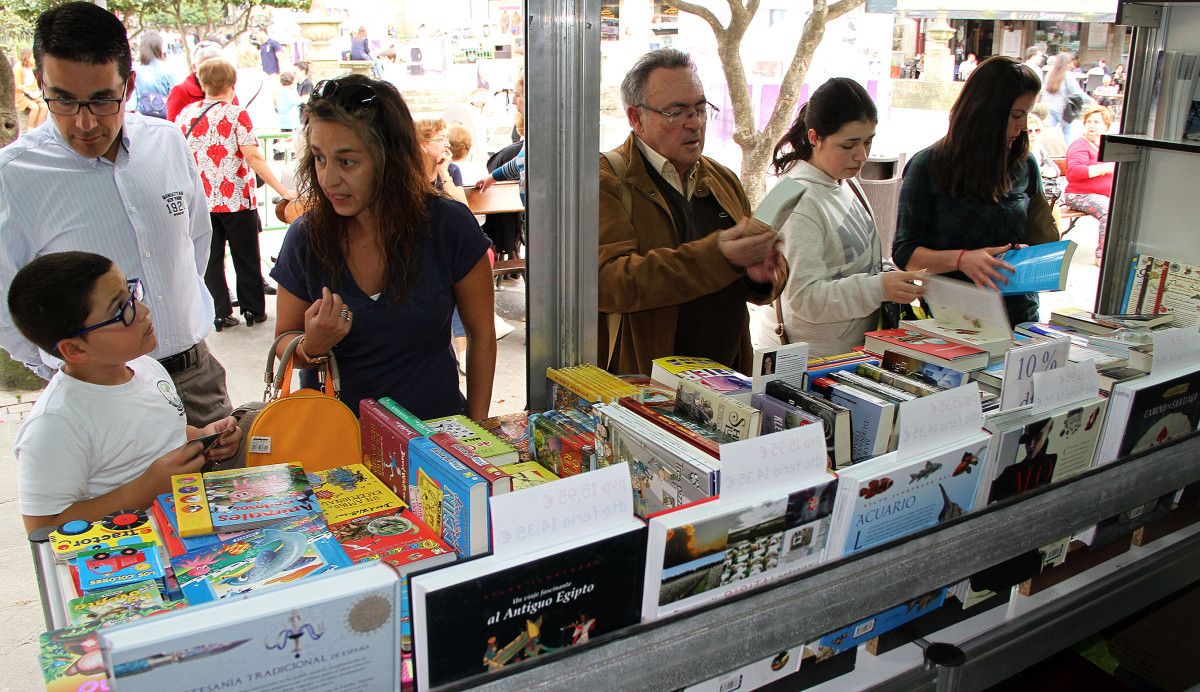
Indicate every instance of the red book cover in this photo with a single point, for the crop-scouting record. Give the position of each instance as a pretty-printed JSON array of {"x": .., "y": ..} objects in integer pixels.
[
  {"x": 385, "y": 441},
  {"x": 499, "y": 481},
  {"x": 175, "y": 547},
  {"x": 916, "y": 341},
  {"x": 673, "y": 426},
  {"x": 399, "y": 539}
]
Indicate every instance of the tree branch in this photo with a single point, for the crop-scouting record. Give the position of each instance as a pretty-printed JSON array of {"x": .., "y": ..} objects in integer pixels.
[{"x": 701, "y": 12}]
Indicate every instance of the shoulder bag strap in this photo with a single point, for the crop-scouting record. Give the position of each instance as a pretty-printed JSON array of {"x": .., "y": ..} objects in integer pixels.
[
  {"x": 858, "y": 193},
  {"x": 197, "y": 119}
]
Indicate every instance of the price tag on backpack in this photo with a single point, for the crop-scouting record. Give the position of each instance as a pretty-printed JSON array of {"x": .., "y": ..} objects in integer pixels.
[
  {"x": 564, "y": 510},
  {"x": 1021, "y": 363},
  {"x": 760, "y": 463},
  {"x": 939, "y": 419}
]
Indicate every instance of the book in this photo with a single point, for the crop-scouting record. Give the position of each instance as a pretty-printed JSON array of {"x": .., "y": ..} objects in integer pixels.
[
  {"x": 1149, "y": 411},
  {"x": 777, "y": 205},
  {"x": 1104, "y": 325},
  {"x": 995, "y": 346},
  {"x": 972, "y": 314},
  {"x": 737, "y": 420},
  {"x": 120, "y": 528},
  {"x": 407, "y": 416},
  {"x": 708, "y": 551},
  {"x": 481, "y": 442},
  {"x": 856, "y": 633},
  {"x": 822, "y": 370},
  {"x": 163, "y": 512},
  {"x": 1191, "y": 130},
  {"x": 241, "y": 499},
  {"x": 336, "y": 631},
  {"x": 513, "y": 428},
  {"x": 110, "y": 605},
  {"x": 834, "y": 419},
  {"x": 930, "y": 349},
  {"x": 350, "y": 491},
  {"x": 705, "y": 439},
  {"x": 665, "y": 472},
  {"x": 526, "y": 474},
  {"x": 449, "y": 498},
  {"x": 385, "y": 438},
  {"x": 556, "y": 446},
  {"x": 892, "y": 496},
  {"x": 1038, "y": 267},
  {"x": 582, "y": 428},
  {"x": 107, "y": 568},
  {"x": 671, "y": 369},
  {"x": 941, "y": 376},
  {"x": 872, "y": 420},
  {"x": 482, "y": 615},
  {"x": 498, "y": 481},
  {"x": 912, "y": 385},
  {"x": 70, "y": 657},
  {"x": 873, "y": 386},
  {"x": 1111, "y": 376},
  {"x": 777, "y": 415},
  {"x": 278, "y": 554}
]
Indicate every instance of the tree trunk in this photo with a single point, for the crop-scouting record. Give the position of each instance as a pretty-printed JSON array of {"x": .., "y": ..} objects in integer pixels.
[{"x": 9, "y": 118}]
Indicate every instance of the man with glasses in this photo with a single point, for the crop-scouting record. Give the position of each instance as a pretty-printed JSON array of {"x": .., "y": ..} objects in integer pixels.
[
  {"x": 677, "y": 262},
  {"x": 123, "y": 186}
]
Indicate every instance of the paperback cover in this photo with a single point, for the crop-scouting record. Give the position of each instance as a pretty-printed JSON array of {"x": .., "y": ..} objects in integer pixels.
[
  {"x": 707, "y": 552},
  {"x": 350, "y": 491},
  {"x": 285, "y": 552},
  {"x": 107, "y": 568},
  {"x": 1148, "y": 412},
  {"x": 835, "y": 419},
  {"x": 664, "y": 416},
  {"x": 481, "y": 442},
  {"x": 1038, "y": 267},
  {"x": 930, "y": 349},
  {"x": 483, "y": 615},
  {"x": 71, "y": 660},
  {"x": 671, "y": 369},
  {"x": 557, "y": 447},
  {"x": 513, "y": 428},
  {"x": 890, "y": 497},
  {"x": 449, "y": 498},
  {"x": 241, "y": 499},
  {"x": 972, "y": 313},
  {"x": 937, "y": 375},
  {"x": 852, "y": 635},
  {"x": 777, "y": 415},
  {"x": 336, "y": 631},
  {"x": 737, "y": 420},
  {"x": 385, "y": 439},
  {"x": 871, "y": 420},
  {"x": 527, "y": 474}
]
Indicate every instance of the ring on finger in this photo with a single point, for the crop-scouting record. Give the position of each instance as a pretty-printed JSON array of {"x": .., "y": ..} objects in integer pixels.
[{"x": 345, "y": 314}]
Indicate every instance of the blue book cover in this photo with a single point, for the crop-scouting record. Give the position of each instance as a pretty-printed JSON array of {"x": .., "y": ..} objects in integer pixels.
[
  {"x": 277, "y": 554},
  {"x": 107, "y": 568},
  {"x": 822, "y": 371},
  {"x": 871, "y": 421},
  {"x": 891, "y": 497},
  {"x": 852, "y": 635},
  {"x": 1038, "y": 267},
  {"x": 938, "y": 375},
  {"x": 449, "y": 498}
]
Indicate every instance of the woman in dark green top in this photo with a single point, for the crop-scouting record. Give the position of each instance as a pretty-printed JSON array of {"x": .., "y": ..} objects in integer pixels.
[{"x": 964, "y": 200}]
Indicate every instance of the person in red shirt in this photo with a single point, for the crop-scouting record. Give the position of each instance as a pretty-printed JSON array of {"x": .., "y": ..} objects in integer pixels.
[
  {"x": 189, "y": 91},
  {"x": 1089, "y": 180}
]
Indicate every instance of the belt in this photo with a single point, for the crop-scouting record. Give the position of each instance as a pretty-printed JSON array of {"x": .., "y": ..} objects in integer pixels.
[{"x": 180, "y": 361}]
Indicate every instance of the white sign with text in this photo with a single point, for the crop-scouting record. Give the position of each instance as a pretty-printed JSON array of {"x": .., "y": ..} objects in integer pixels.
[
  {"x": 761, "y": 463},
  {"x": 787, "y": 363},
  {"x": 1071, "y": 384},
  {"x": 1022, "y": 362},
  {"x": 1175, "y": 349},
  {"x": 564, "y": 510},
  {"x": 938, "y": 419}
]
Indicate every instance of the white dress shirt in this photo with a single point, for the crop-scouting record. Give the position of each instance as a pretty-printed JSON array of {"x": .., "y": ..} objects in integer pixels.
[
  {"x": 667, "y": 169},
  {"x": 146, "y": 211}
]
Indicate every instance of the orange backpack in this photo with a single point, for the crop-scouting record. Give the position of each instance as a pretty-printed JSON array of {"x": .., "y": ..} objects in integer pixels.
[{"x": 310, "y": 427}]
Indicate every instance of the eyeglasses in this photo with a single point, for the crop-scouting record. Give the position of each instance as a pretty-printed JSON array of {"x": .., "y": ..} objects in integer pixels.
[
  {"x": 125, "y": 314},
  {"x": 1036, "y": 130},
  {"x": 701, "y": 113},
  {"x": 348, "y": 95},
  {"x": 101, "y": 107}
]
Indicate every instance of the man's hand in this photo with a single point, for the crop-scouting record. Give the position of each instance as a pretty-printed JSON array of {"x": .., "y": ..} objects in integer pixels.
[
  {"x": 983, "y": 266},
  {"x": 743, "y": 250},
  {"x": 766, "y": 271}
]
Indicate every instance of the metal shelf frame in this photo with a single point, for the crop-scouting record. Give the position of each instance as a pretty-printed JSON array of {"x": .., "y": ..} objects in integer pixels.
[{"x": 691, "y": 648}]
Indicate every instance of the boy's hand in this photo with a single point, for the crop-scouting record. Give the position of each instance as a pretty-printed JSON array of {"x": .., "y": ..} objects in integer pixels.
[
  {"x": 231, "y": 438},
  {"x": 185, "y": 459}
]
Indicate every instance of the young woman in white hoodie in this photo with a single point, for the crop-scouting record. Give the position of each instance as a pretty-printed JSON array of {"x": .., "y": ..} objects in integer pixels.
[{"x": 830, "y": 240}]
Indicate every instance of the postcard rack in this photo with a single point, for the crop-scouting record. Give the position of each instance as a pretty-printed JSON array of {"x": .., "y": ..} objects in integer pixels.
[{"x": 691, "y": 648}]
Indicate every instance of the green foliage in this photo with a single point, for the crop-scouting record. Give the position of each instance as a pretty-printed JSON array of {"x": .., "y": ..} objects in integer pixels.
[{"x": 14, "y": 375}]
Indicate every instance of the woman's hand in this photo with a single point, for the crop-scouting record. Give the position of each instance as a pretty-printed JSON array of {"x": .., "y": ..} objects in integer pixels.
[
  {"x": 983, "y": 266},
  {"x": 326, "y": 323},
  {"x": 902, "y": 287}
]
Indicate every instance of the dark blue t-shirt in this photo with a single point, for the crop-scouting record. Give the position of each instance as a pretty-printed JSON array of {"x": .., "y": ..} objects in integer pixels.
[
  {"x": 402, "y": 351},
  {"x": 267, "y": 52}
]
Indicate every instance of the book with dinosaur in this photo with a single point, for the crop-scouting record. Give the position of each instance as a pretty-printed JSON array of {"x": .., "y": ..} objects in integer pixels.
[
  {"x": 351, "y": 491},
  {"x": 241, "y": 499},
  {"x": 278, "y": 554}
]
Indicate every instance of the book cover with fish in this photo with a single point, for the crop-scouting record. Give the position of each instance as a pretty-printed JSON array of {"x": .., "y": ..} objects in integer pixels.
[
  {"x": 891, "y": 496},
  {"x": 277, "y": 554}
]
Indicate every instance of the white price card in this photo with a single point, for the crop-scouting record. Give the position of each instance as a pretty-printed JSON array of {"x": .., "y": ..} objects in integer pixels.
[
  {"x": 1070, "y": 384},
  {"x": 761, "y": 463},
  {"x": 560, "y": 511},
  {"x": 787, "y": 363},
  {"x": 1022, "y": 362},
  {"x": 1175, "y": 349},
  {"x": 938, "y": 419}
]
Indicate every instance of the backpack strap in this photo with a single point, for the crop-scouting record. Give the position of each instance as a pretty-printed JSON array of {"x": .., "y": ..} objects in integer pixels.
[{"x": 619, "y": 168}]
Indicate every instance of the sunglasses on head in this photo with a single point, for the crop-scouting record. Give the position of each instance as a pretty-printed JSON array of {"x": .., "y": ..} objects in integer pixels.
[{"x": 348, "y": 95}]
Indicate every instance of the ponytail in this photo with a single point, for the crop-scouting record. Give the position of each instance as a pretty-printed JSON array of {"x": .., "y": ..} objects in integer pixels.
[
  {"x": 838, "y": 101},
  {"x": 793, "y": 147}
]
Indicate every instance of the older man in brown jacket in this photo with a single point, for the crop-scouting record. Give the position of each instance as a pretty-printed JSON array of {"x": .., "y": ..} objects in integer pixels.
[{"x": 677, "y": 264}]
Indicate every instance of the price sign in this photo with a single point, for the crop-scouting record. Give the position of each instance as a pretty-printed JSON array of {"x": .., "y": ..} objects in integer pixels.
[
  {"x": 939, "y": 419},
  {"x": 761, "y": 463},
  {"x": 1022, "y": 362},
  {"x": 560, "y": 511},
  {"x": 1175, "y": 349},
  {"x": 1071, "y": 384}
]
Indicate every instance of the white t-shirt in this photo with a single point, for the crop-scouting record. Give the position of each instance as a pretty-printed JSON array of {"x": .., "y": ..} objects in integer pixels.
[{"x": 83, "y": 440}]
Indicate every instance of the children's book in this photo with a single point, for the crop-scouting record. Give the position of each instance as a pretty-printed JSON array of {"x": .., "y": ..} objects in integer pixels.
[
  {"x": 123, "y": 527},
  {"x": 407, "y": 416},
  {"x": 482, "y": 615},
  {"x": 892, "y": 496},
  {"x": 449, "y": 498},
  {"x": 513, "y": 428},
  {"x": 107, "y": 568},
  {"x": 71, "y": 660},
  {"x": 163, "y": 512},
  {"x": 704, "y": 552},
  {"x": 278, "y": 554},
  {"x": 109, "y": 605},
  {"x": 340, "y": 630},
  {"x": 1038, "y": 267},
  {"x": 527, "y": 474},
  {"x": 931, "y": 349},
  {"x": 385, "y": 438},
  {"x": 241, "y": 499},
  {"x": 498, "y": 481},
  {"x": 481, "y": 442},
  {"x": 556, "y": 446},
  {"x": 350, "y": 491}
]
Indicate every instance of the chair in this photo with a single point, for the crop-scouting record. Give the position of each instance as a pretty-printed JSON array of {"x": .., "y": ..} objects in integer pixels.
[
  {"x": 884, "y": 197},
  {"x": 1067, "y": 213}
]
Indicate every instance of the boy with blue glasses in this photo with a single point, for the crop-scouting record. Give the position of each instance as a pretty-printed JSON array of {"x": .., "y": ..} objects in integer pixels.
[{"x": 109, "y": 430}]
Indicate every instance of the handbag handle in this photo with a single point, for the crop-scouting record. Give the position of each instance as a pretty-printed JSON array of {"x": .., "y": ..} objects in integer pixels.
[{"x": 279, "y": 379}]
